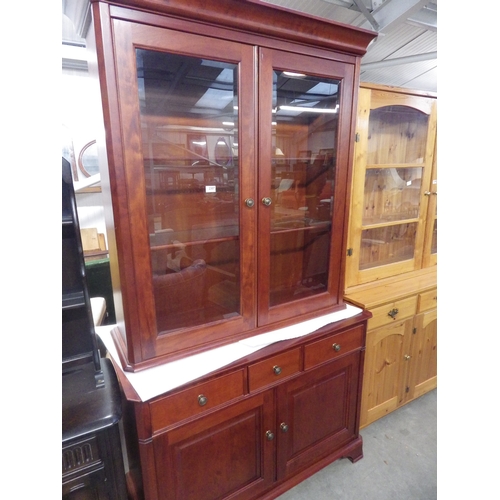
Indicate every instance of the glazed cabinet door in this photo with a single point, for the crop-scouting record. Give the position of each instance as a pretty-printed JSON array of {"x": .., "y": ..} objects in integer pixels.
[
  {"x": 317, "y": 414},
  {"x": 430, "y": 244},
  {"x": 182, "y": 166},
  {"x": 394, "y": 156},
  {"x": 227, "y": 454},
  {"x": 304, "y": 117},
  {"x": 228, "y": 165},
  {"x": 386, "y": 369}
]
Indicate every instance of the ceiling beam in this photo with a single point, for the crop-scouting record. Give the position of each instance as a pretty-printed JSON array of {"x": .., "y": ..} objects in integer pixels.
[
  {"x": 399, "y": 60},
  {"x": 392, "y": 13},
  {"x": 362, "y": 8}
]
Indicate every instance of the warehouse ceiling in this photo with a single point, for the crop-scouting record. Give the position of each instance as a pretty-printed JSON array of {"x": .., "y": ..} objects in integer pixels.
[{"x": 404, "y": 53}]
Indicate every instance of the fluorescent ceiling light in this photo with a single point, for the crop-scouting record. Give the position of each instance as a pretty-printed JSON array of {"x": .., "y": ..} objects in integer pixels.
[{"x": 302, "y": 109}]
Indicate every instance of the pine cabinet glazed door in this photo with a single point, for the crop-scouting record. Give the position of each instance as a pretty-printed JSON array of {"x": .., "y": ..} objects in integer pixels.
[{"x": 393, "y": 185}]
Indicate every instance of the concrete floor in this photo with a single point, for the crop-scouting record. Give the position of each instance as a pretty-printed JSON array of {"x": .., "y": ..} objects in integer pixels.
[{"x": 399, "y": 460}]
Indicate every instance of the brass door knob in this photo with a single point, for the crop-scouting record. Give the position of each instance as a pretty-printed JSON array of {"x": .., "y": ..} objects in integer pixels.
[
  {"x": 267, "y": 201},
  {"x": 249, "y": 202},
  {"x": 269, "y": 435},
  {"x": 276, "y": 369}
]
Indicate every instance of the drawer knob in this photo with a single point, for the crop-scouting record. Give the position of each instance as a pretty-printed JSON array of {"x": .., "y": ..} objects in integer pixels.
[
  {"x": 407, "y": 357},
  {"x": 392, "y": 313},
  {"x": 284, "y": 427},
  {"x": 269, "y": 435},
  {"x": 276, "y": 369},
  {"x": 336, "y": 347},
  {"x": 249, "y": 202},
  {"x": 267, "y": 201},
  {"x": 202, "y": 400}
]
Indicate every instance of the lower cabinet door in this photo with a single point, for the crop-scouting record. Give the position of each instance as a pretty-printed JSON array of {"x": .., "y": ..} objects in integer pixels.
[
  {"x": 226, "y": 454},
  {"x": 424, "y": 355},
  {"x": 388, "y": 352},
  {"x": 317, "y": 414}
]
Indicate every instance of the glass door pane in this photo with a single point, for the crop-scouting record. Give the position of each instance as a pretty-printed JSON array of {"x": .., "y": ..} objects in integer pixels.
[
  {"x": 304, "y": 144},
  {"x": 396, "y": 150},
  {"x": 189, "y": 121}
]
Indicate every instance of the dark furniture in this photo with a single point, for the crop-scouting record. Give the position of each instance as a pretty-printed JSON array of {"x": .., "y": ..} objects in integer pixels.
[{"x": 92, "y": 462}]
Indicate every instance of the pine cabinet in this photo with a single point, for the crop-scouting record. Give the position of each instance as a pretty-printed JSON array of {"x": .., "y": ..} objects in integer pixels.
[
  {"x": 229, "y": 139},
  {"x": 401, "y": 342},
  {"x": 393, "y": 219}
]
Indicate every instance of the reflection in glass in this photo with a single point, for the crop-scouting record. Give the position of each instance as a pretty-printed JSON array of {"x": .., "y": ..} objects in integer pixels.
[
  {"x": 434, "y": 243},
  {"x": 188, "y": 108},
  {"x": 386, "y": 245},
  {"x": 391, "y": 194},
  {"x": 87, "y": 159},
  {"x": 304, "y": 141},
  {"x": 397, "y": 134}
]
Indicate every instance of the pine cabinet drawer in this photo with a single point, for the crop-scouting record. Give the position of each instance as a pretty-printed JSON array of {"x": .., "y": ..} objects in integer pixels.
[
  {"x": 332, "y": 347},
  {"x": 273, "y": 370},
  {"x": 195, "y": 400},
  {"x": 392, "y": 311},
  {"x": 427, "y": 300}
]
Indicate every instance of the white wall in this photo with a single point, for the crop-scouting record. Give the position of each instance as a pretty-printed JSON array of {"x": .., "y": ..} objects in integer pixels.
[{"x": 80, "y": 122}]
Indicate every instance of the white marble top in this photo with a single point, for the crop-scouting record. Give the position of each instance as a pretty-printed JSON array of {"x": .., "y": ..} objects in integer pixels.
[{"x": 154, "y": 381}]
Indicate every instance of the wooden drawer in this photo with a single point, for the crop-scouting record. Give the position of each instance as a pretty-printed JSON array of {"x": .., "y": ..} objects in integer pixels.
[
  {"x": 332, "y": 347},
  {"x": 273, "y": 370},
  {"x": 427, "y": 300},
  {"x": 392, "y": 311},
  {"x": 196, "y": 400}
]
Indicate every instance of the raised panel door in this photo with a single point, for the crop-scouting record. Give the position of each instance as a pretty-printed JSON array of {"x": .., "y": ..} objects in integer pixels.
[
  {"x": 224, "y": 454},
  {"x": 386, "y": 369},
  {"x": 317, "y": 414},
  {"x": 424, "y": 354}
]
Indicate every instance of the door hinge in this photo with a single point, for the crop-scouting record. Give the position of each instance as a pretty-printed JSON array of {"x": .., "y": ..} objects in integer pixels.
[
  {"x": 350, "y": 251},
  {"x": 414, "y": 331},
  {"x": 357, "y": 137},
  {"x": 407, "y": 389}
]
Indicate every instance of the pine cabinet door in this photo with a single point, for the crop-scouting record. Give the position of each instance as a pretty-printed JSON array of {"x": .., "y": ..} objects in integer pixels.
[
  {"x": 424, "y": 357},
  {"x": 394, "y": 156},
  {"x": 386, "y": 370}
]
